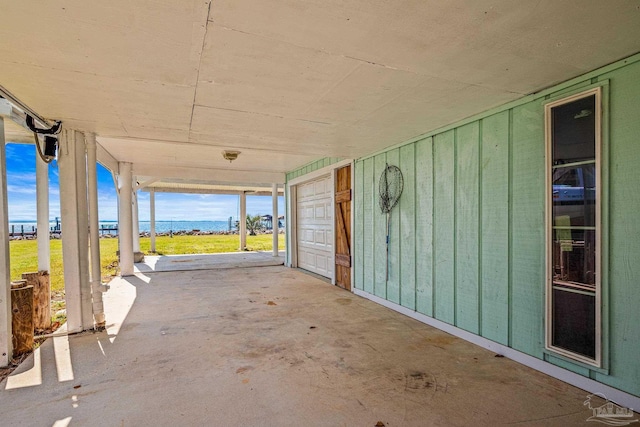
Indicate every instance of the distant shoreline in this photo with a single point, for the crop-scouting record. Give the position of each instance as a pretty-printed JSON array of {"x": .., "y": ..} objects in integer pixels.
[
  {"x": 57, "y": 235},
  {"x": 25, "y": 230},
  {"x": 144, "y": 226}
]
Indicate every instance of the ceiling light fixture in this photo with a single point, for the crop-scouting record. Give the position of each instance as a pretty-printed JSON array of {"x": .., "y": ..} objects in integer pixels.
[{"x": 230, "y": 155}]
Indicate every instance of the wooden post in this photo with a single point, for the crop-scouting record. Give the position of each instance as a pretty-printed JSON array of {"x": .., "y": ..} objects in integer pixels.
[
  {"x": 22, "y": 317},
  {"x": 41, "y": 299}
]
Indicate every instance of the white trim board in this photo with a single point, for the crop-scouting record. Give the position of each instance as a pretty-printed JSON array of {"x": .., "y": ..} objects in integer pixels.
[
  {"x": 352, "y": 278},
  {"x": 596, "y": 92},
  {"x": 613, "y": 394},
  {"x": 332, "y": 179}
]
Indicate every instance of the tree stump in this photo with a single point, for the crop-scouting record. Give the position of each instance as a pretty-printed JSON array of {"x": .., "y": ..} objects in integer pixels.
[
  {"x": 41, "y": 299},
  {"x": 22, "y": 317}
]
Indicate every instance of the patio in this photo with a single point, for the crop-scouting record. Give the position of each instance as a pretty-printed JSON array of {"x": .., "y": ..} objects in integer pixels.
[
  {"x": 158, "y": 263},
  {"x": 271, "y": 346}
]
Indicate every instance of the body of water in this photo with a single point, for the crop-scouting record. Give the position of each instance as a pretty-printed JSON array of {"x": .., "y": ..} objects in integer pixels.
[
  {"x": 145, "y": 226},
  {"x": 166, "y": 226}
]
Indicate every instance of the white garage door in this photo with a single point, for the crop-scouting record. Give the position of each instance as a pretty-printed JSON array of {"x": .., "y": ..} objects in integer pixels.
[{"x": 315, "y": 224}]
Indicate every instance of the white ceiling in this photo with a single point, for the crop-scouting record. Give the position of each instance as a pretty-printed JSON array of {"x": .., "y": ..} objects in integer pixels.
[{"x": 168, "y": 84}]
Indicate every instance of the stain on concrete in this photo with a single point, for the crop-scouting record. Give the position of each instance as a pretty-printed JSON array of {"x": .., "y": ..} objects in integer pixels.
[
  {"x": 442, "y": 340},
  {"x": 420, "y": 380},
  {"x": 341, "y": 343}
]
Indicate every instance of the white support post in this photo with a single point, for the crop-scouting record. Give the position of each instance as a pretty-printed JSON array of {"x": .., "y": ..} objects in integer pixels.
[
  {"x": 134, "y": 218},
  {"x": 125, "y": 220},
  {"x": 42, "y": 208},
  {"x": 6, "y": 350},
  {"x": 152, "y": 219},
  {"x": 242, "y": 229},
  {"x": 274, "y": 218},
  {"x": 72, "y": 164},
  {"x": 94, "y": 232}
]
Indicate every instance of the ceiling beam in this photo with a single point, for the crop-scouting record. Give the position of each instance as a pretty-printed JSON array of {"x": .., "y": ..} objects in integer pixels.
[
  {"x": 218, "y": 175},
  {"x": 146, "y": 183},
  {"x": 207, "y": 191},
  {"x": 106, "y": 159}
]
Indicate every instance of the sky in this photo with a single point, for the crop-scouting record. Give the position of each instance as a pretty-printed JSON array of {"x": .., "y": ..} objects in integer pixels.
[{"x": 21, "y": 192}]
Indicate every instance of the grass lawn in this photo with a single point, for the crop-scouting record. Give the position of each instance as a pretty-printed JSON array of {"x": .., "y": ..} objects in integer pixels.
[
  {"x": 24, "y": 253},
  {"x": 166, "y": 245}
]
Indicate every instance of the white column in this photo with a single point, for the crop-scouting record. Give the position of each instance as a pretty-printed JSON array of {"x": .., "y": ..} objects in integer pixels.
[
  {"x": 6, "y": 350},
  {"x": 152, "y": 219},
  {"x": 242, "y": 229},
  {"x": 42, "y": 208},
  {"x": 274, "y": 217},
  {"x": 72, "y": 165},
  {"x": 134, "y": 218},
  {"x": 125, "y": 220},
  {"x": 94, "y": 232}
]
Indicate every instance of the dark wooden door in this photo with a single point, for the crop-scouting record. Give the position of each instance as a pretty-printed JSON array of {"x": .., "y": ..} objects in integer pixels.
[{"x": 343, "y": 227}]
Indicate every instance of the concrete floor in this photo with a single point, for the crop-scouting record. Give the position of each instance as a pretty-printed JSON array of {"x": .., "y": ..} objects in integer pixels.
[{"x": 271, "y": 346}]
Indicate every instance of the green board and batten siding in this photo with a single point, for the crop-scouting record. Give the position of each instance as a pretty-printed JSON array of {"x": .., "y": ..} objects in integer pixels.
[
  {"x": 312, "y": 167},
  {"x": 624, "y": 229},
  {"x": 467, "y": 238}
]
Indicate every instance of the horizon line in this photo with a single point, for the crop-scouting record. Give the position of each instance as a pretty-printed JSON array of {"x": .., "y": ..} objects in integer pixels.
[{"x": 142, "y": 220}]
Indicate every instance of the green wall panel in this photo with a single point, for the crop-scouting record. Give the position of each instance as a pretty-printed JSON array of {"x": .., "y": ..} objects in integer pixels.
[
  {"x": 380, "y": 232},
  {"x": 357, "y": 236},
  {"x": 624, "y": 230},
  {"x": 443, "y": 237},
  {"x": 527, "y": 242},
  {"x": 395, "y": 267},
  {"x": 495, "y": 217},
  {"x": 310, "y": 167},
  {"x": 467, "y": 233},
  {"x": 368, "y": 211},
  {"x": 567, "y": 365},
  {"x": 424, "y": 226},
  {"x": 407, "y": 214}
]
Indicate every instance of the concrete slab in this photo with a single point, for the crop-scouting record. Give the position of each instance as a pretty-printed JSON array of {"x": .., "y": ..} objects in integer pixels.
[
  {"x": 271, "y": 346},
  {"x": 208, "y": 261}
]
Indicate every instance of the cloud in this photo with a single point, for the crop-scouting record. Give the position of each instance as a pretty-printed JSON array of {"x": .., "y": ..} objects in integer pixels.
[
  {"x": 19, "y": 189},
  {"x": 24, "y": 176},
  {"x": 21, "y": 154},
  {"x": 25, "y": 210}
]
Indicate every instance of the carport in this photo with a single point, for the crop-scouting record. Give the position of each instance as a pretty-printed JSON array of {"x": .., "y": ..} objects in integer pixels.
[
  {"x": 271, "y": 346},
  {"x": 478, "y": 103}
]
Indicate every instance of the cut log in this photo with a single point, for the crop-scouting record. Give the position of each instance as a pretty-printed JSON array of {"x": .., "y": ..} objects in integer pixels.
[
  {"x": 41, "y": 299},
  {"x": 22, "y": 317}
]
